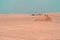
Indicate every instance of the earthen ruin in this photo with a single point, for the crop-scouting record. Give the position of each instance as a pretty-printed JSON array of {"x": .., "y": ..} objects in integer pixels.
[{"x": 43, "y": 17}]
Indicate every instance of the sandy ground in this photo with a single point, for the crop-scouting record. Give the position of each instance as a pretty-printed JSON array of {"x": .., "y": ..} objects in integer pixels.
[{"x": 23, "y": 27}]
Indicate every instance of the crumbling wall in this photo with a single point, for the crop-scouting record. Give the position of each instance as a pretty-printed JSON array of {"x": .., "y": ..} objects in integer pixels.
[{"x": 43, "y": 17}]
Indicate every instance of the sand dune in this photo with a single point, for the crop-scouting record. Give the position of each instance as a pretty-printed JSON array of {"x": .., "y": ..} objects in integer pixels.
[{"x": 23, "y": 27}]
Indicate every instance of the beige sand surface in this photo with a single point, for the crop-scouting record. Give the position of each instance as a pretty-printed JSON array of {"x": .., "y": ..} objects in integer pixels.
[{"x": 23, "y": 27}]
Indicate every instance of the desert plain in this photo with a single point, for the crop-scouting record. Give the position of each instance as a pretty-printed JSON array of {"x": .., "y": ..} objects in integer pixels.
[{"x": 23, "y": 27}]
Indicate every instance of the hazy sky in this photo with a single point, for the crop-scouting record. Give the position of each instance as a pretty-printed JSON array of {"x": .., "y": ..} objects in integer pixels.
[{"x": 29, "y": 6}]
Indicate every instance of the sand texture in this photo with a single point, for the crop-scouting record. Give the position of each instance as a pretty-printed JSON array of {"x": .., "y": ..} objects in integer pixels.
[{"x": 23, "y": 27}]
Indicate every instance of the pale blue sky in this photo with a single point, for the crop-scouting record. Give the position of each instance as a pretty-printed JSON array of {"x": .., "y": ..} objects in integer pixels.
[{"x": 29, "y": 6}]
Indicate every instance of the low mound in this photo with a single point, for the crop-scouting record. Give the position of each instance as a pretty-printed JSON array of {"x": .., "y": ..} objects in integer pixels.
[{"x": 42, "y": 17}]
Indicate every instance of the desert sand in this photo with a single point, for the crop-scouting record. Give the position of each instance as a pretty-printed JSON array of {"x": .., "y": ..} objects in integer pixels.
[{"x": 24, "y": 27}]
